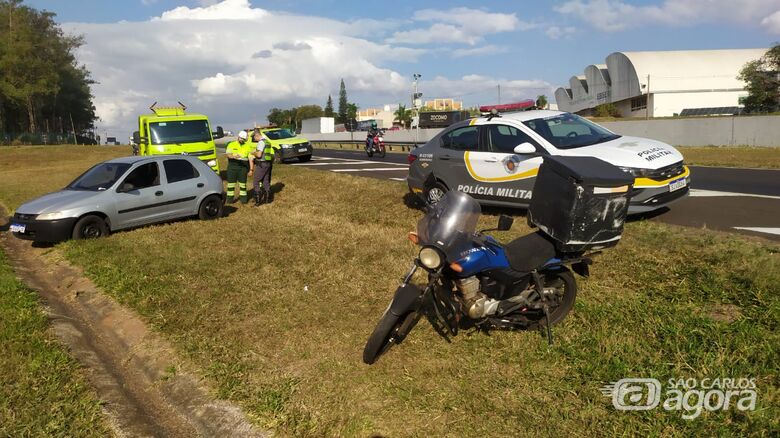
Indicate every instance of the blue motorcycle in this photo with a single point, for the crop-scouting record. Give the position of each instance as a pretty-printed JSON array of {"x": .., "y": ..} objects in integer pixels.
[{"x": 475, "y": 281}]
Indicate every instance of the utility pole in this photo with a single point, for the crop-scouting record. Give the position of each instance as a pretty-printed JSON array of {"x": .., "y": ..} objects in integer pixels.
[
  {"x": 415, "y": 97},
  {"x": 499, "y": 93},
  {"x": 647, "y": 100}
]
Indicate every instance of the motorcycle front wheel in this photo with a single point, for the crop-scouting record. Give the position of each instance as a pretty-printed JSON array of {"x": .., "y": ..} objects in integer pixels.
[
  {"x": 381, "y": 151},
  {"x": 391, "y": 330}
]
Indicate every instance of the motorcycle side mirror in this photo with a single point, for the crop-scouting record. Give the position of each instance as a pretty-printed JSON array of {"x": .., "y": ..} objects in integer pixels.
[{"x": 505, "y": 222}]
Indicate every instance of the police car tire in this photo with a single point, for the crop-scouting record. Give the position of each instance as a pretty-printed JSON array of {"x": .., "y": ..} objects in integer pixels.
[
  {"x": 210, "y": 208},
  {"x": 90, "y": 227},
  {"x": 438, "y": 185}
]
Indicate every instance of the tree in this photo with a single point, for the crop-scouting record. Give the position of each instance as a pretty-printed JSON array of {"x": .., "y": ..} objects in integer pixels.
[
  {"x": 40, "y": 82},
  {"x": 342, "y": 116},
  {"x": 762, "y": 82},
  {"x": 404, "y": 116},
  {"x": 307, "y": 112},
  {"x": 541, "y": 101},
  {"x": 329, "y": 107},
  {"x": 352, "y": 110}
]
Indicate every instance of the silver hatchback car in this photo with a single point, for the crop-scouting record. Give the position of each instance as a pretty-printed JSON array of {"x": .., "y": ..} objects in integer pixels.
[{"x": 122, "y": 193}]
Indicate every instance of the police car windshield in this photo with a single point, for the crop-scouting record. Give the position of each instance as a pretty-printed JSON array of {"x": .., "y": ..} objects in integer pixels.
[
  {"x": 569, "y": 131},
  {"x": 100, "y": 177},
  {"x": 189, "y": 131},
  {"x": 279, "y": 134}
]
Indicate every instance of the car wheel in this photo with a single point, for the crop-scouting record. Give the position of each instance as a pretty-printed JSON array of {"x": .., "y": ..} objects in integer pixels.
[
  {"x": 210, "y": 208},
  {"x": 90, "y": 227},
  {"x": 304, "y": 158},
  {"x": 435, "y": 192}
]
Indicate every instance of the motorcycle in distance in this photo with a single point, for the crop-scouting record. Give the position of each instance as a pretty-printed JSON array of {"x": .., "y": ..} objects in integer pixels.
[
  {"x": 475, "y": 281},
  {"x": 377, "y": 146}
]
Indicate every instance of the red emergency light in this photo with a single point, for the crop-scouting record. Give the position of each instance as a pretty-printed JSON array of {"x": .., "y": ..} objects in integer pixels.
[{"x": 507, "y": 107}]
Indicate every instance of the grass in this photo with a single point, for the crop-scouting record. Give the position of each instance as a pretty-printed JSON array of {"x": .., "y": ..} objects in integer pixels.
[
  {"x": 732, "y": 156},
  {"x": 274, "y": 304},
  {"x": 42, "y": 392}
]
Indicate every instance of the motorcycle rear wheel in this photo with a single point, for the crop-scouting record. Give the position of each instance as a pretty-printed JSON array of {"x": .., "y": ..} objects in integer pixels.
[
  {"x": 566, "y": 290},
  {"x": 391, "y": 330}
]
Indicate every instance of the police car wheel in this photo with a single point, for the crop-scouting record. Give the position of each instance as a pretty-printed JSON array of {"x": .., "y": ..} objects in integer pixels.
[
  {"x": 90, "y": 227},
  {"x": 434, "y": 193},
  {"x": 210, "y": 208}
]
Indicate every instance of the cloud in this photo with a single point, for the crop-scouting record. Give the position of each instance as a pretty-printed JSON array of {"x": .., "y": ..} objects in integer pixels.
[
  {"x": 479, "y": 89},
  {"x": 617, "y": 15},
  {"x": 286, "y": 45},
  {"x": 458, "y": 25},
  {"x": 556, "y": 32},
  {"x": 772, "y": 23},
  {"x": 478, "y": 51}
]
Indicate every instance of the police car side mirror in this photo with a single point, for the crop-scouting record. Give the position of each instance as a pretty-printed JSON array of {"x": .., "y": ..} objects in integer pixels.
[{"x": 525, "y": 149}]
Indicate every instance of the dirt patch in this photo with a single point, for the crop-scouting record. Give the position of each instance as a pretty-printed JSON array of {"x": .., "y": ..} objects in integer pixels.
[
  {"x": 727, "y": 313},
  {"x": 147, "y": 389}
]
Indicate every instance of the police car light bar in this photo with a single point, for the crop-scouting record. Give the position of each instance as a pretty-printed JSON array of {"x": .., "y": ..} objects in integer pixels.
[{"x": 509, "y": 107}]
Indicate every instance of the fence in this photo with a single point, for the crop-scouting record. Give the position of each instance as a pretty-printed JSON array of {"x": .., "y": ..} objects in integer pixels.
[{"x": 38, "y": 138}]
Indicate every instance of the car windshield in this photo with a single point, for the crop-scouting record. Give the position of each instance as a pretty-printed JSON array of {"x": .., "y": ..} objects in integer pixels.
[
  {"x": 188, "y": 131},
  {"x": 100, "y": 177},
  {"x": 569, "y": 131},
  {"x": 450, "y": 224},
  {"x": 279, "y": 134}
]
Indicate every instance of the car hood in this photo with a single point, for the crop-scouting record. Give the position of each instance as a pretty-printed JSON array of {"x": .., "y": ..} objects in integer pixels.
[
  {"x": 56, "y": 201},
  {"x": 291, "y": 140},
  {"x": 635, "y": 152}
]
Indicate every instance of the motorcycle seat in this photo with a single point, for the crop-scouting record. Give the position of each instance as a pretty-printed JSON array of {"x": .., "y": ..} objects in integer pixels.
[{"x": 530, "y": 252}]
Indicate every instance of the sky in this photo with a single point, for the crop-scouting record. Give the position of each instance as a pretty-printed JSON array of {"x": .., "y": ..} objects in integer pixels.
[{"x": 235, "y": 59}]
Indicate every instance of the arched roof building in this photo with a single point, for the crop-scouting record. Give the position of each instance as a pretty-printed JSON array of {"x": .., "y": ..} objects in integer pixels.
[{"x": 669, "y": 81}]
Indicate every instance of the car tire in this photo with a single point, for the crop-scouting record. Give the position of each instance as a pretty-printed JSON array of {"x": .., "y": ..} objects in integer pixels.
[
  {"x": 90, "y": 227},
  {"x": 434, "y": 192},
  {"x": 304, "y": 158},
  {"x": 210, "y": 208}
]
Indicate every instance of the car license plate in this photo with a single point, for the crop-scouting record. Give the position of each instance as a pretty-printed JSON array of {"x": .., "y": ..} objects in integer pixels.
[
  {"x": 677, "y": 184},
  {"x": 303, "y": 150},
  {"x": 17, "y": 228}
]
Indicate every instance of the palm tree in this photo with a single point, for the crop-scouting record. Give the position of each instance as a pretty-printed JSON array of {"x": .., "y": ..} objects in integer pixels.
[{"x": 404, "y": 116}]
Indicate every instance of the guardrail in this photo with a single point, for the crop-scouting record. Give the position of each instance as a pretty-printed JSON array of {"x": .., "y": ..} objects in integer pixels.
[{"x": 358, "y": 145}]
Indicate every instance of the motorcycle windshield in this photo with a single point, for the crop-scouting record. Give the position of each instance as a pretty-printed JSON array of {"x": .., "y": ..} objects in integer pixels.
[{"x": 450, "y": 224}]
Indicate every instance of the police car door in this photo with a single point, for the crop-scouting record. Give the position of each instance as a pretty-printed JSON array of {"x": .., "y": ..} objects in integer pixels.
[
  {"x": 451, "y": 162},
  {"x": 511, "y": 176}
]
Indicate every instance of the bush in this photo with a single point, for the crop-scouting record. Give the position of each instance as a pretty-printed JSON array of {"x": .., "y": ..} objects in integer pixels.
[{"x": 606, "y": 110}]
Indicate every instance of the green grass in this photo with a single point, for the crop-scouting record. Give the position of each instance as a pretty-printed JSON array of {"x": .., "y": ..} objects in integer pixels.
[
  {"x": 732, "y": 156},
  {"x": 274, "y": 304},
  {"x": 42, "y": 392}
]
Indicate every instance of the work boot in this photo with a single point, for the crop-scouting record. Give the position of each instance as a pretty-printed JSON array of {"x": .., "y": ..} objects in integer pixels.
[
  {"x": 231, "y": 201},
  {"x": 258, "y": 199}
]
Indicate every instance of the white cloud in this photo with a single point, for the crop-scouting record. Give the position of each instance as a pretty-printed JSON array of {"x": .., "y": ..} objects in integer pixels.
[
  {"x": 617, "y": 15},
  {"x": 458, "y": 25},
  {"x": 772, "y": 23},
  {"x": 555, "y": 32},
  {"x": 478, "y": 51}
]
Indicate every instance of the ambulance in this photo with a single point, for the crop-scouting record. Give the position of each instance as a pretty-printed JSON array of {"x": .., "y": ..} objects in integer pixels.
[{"x": 173, "y": 131}]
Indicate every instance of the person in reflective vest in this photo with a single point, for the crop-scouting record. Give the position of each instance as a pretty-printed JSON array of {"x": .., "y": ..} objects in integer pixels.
[
  {"x": 263, "y": 161},
  {"x": 238, "y": 153}
]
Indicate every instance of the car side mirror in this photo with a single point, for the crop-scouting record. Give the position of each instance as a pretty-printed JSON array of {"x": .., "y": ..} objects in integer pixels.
[
  {"x": 525, "y": 149},
  {"x": 219, "y": 133},
  {"x": 505, "y": 222},
  {"x": 125, "y": 187},
  {"x": 137, "y": 137}
]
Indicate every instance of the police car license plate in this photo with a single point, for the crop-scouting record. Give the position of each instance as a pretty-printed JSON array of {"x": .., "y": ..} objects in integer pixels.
[
  {"x": 17, "y": 228},
  {"x": 677, "y": 184},
  {"x": 302, "y": 150}
]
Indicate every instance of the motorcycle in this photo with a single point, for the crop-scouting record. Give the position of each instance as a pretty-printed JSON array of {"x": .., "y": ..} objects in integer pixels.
[
  {"x": 377, "y": 146},
  {"x": 475, "y": 281}
]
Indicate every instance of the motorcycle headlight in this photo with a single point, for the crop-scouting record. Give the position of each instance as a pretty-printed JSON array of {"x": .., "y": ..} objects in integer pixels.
[
  {"x": 430, "y": 258},
  {"x": 54, "y": 215}
]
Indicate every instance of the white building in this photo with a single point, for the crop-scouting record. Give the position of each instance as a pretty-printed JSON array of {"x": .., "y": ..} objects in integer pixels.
[
  {"x": 385, "y": 116},
  {"x": 670, "y": 81}
]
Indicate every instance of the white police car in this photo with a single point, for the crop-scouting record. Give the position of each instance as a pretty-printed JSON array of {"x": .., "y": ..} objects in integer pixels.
[{"x": 496, "y": 158}]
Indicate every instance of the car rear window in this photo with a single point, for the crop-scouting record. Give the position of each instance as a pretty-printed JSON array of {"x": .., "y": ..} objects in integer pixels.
[{"x": 179, "y": 170}]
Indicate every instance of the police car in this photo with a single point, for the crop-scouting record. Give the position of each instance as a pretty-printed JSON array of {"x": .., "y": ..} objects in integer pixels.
[{"x": 495, "y": 159}]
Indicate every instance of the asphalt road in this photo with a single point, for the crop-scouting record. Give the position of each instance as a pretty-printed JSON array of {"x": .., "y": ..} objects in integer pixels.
[{"x": 745, "y": 201}]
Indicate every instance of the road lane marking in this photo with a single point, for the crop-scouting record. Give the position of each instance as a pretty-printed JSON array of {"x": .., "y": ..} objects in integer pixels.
[
  {"x": 768, "y": 230},
  {"x": 367, "y": 169},
  {"x": 332, "y": 163},
  {"x": 713, "y": 193}
]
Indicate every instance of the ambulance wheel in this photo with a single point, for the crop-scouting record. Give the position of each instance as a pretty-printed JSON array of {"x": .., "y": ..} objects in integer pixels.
[
  {"x": 435, "y": 192},
  {"x": 90, "y": 227},
  {"x": 210, "y": 208}
]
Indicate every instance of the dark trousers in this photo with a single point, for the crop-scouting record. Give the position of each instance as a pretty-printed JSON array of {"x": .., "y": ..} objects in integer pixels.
[
  {"x": 236, "y": 173},
  {"x": 262, "y": 173}
]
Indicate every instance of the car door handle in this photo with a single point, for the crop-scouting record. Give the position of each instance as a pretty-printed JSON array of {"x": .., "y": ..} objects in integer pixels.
[
  {"x": 158, "y": 193},
  {"x": 491, "y": 160},
  {"x": 200, "y": 185}
]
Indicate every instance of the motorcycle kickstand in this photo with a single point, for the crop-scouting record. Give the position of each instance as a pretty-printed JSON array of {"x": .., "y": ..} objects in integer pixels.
[
  {"x": 547, "y": 324},
  {"x": 546, "y": 308}
]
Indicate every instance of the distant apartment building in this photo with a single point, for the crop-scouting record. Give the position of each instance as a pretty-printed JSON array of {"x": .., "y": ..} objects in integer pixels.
[
  {"x": 385, "y": 116},
  {"x": 661, "y": 84},
  {"x": 443, "y": 104}
]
